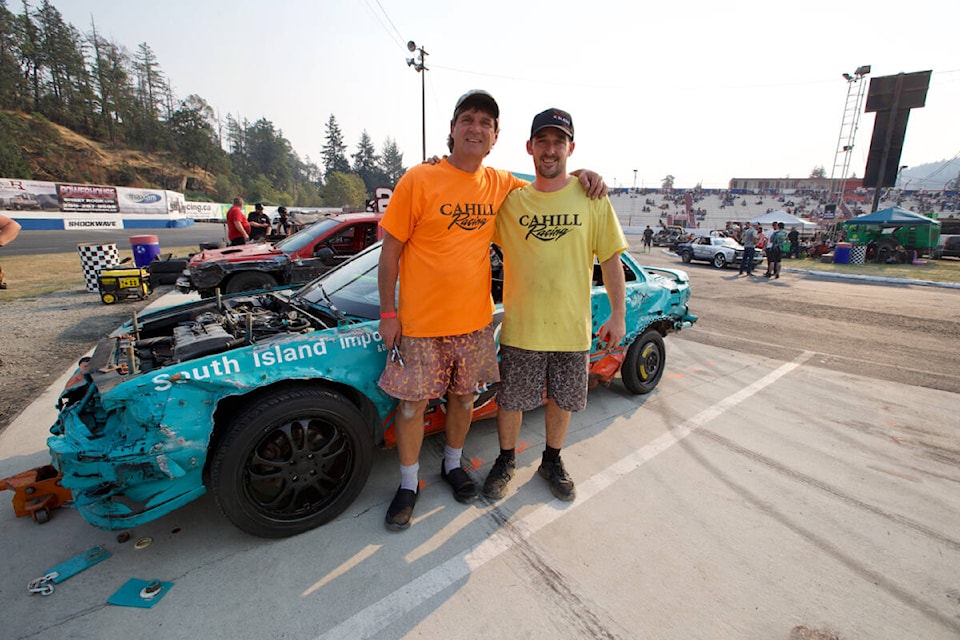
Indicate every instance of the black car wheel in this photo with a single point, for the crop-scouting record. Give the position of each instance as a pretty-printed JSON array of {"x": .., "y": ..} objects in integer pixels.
[
  {"x": 686, "y": 256},
  {"x": 250, "y": 281},
  {"x": 643, "y": 366},
  {"x": 293, "y": 461},
  {"x": 719, "y": 261}
]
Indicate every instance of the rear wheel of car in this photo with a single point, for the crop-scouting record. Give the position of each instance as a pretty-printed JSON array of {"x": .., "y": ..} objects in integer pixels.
[
  {"x": 292, "y": 461},
  {"x": 686, "y": 256},
  {"x": 250, "y": 281},
  {"x": 719, "y": 261},
  {"x": 643, "y": 365}
]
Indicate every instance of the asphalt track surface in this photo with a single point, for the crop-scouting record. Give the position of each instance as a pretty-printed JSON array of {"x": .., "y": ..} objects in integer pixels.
[
  {"x": 54, "y": 241},
  {"x": 779, "y": 483}
]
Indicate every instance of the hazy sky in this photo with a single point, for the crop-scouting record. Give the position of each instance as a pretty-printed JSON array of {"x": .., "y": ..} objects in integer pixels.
[{"x": 705, "y": 91}]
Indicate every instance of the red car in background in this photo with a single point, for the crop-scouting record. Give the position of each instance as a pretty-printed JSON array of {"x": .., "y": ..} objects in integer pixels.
[{"x": 298, "y": 258}]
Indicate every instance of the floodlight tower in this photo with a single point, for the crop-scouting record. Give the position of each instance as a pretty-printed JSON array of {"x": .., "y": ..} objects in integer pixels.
[
  {"x": 848, "y": 132},
  {"x": 421, "y": 68}
]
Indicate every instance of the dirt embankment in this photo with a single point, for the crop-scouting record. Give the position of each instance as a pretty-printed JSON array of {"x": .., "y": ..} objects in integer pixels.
[{"x": 57, "y": 154}]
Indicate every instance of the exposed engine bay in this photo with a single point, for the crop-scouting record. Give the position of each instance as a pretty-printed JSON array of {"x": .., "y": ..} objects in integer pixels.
[{"x": 219, "y": 325}]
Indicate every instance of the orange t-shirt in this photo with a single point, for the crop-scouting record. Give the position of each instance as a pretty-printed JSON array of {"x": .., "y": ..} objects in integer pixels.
[{"x": 445, "y": 218}]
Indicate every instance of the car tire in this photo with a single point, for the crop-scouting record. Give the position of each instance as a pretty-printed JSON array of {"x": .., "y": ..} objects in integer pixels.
[
  {"x": 686, "y": 256},
  {"x": 719, "y": 261},
  {"x": 643, "y": 366},
  {"x": 250, "y": 281},
  {"x": 291, "y": 462}
]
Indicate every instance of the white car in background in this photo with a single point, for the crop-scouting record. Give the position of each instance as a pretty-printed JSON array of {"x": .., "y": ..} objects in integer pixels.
[{"x": 719, "y": 252}]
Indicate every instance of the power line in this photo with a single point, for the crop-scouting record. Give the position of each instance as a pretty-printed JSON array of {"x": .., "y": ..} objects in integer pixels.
[{"x": 395, "y": 34}]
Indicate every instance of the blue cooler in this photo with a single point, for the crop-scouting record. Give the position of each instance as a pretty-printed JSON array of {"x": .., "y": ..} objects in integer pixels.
[
  {"x": 145, "y": 249},
  {"x": 841, "y": 253}
]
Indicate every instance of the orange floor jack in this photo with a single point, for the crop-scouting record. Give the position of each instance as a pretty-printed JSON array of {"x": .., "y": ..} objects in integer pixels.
[{"x": 37, "y": 492}]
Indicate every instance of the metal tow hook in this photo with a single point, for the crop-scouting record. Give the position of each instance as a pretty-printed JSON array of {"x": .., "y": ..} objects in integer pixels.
[{"x": 43, "y": 585}]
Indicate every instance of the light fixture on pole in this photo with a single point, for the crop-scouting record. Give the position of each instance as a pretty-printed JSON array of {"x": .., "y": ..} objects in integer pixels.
[
  {"x": 848, "y": 133},
  {"x": 420, "y": 67}
]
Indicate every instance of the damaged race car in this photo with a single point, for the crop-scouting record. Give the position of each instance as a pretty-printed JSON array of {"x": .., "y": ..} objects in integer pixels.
[
  {"x": 296, "y": 259},
  {"x": 270, "y": 400}
]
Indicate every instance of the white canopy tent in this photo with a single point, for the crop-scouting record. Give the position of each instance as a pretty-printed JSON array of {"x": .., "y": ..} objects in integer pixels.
[{"x": 789, "y": 221}]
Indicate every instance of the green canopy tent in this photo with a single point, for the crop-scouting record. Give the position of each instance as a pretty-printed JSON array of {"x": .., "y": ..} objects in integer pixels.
[
  {"x": 892, "y": 217},
  {"x": 894, "y": 227}
]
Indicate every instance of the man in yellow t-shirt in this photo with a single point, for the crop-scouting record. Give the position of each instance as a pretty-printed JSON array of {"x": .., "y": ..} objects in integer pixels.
[
  {"x": 438, "y": 228},
  {"x": 550, "y": 233}
]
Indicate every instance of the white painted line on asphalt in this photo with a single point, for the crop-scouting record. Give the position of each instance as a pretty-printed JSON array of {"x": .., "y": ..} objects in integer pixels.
[{"x": 377, "y": 616}]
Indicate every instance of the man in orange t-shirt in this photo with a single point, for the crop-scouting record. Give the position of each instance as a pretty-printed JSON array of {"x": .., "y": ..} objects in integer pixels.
[{"x": 438, "y": 226}]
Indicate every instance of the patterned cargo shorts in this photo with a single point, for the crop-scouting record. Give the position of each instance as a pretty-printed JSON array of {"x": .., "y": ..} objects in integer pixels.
[
  {"x": 525, "y": 373},
  {"x": 432, "y": 367}
]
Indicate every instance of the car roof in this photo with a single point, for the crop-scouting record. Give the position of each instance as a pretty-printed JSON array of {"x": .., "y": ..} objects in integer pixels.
[{"x": 355, "y": 217}]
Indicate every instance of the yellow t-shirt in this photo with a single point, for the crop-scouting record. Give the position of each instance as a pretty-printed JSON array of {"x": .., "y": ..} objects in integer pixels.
[
  {"x": 445, "y": 218},
  {"x": 549, "y": 241}
]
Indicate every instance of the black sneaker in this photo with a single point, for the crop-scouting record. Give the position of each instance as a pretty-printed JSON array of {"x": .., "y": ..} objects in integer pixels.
[
  {"x": 561, "y": 484},
  {"x": 401, "y": 509},
  {"x": 464, "y": 489},
  {"x": 500, "y": 475}
]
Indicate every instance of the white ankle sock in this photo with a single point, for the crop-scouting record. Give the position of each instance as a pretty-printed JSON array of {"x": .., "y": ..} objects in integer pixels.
[
  {"x": 451, "y": 458},
  {"x": 410, "y": 476}
]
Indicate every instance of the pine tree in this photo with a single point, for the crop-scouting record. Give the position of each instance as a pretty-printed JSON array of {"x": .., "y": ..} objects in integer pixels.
[{"x": 334, "y": 152}]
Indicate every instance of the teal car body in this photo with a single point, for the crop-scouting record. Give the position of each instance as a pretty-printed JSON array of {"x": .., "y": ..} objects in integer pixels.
[{"x": 270, "y": 399}]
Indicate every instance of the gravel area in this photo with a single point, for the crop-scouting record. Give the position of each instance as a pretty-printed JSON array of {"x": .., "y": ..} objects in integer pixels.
[{"x": 43, "y": 337}]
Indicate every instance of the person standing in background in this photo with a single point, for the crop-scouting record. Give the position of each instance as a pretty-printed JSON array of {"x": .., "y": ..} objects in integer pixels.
[
  {"x": 647, "y": 239},
  {"x": 259, "y": 223},
  {"x": 238, "y": 229},
  {"x": 749, "y": 239}
]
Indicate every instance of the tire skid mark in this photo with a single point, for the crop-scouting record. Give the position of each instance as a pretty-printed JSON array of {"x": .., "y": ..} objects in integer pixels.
[
  {"x": 828, "y": 547},
  {"x": 380, "y": 614},
  {"x": 810, "y": 481}
]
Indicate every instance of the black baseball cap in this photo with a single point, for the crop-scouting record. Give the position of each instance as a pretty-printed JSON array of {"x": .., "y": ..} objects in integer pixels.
[
  {"x": 553, "y": 117},
  {"x": 258, "y": 207},
  {"x": 477, "y": 98}
]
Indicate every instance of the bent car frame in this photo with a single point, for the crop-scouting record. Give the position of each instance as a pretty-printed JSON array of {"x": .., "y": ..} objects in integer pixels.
[{"x": 270, "y": 400}]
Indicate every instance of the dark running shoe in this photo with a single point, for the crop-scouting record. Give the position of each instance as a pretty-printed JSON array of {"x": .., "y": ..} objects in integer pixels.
[
  {"x": 561, "y": 484},
  {"x": 464, "y": 489},
  {"x": 500, "y": 475},
  {"x": 400, "y": 511}
]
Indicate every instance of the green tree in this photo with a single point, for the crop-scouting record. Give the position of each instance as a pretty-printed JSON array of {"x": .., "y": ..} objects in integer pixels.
[
  {"x": 10, "y": 86},
  {"x": 112, "y": 84},
  {"x": 818, "y": 172},
  {"x": 193, "y": 137},
  {"x": 269, "y": 154},
  {"x": 366, "y": 164},
  {"x": 391, "y": 163},
  {"x": 667, "y": 183},
  {"x": 334, "y": 151},
  {"x": 66, "y": 93},
  {"x": 344, "y": 190},
  {"x": 152, "y": 98},
  {"x": 28, "y": 37}
]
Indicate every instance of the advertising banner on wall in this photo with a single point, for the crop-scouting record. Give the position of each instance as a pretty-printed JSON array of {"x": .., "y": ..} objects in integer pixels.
[
  {"x": 87, "y": 198},
  {"x": 205, "y": 210},
  {"x": 92, "y": 221},
  {"x": 143, "y": 201},
  {"x": 28, "y": 195}
]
